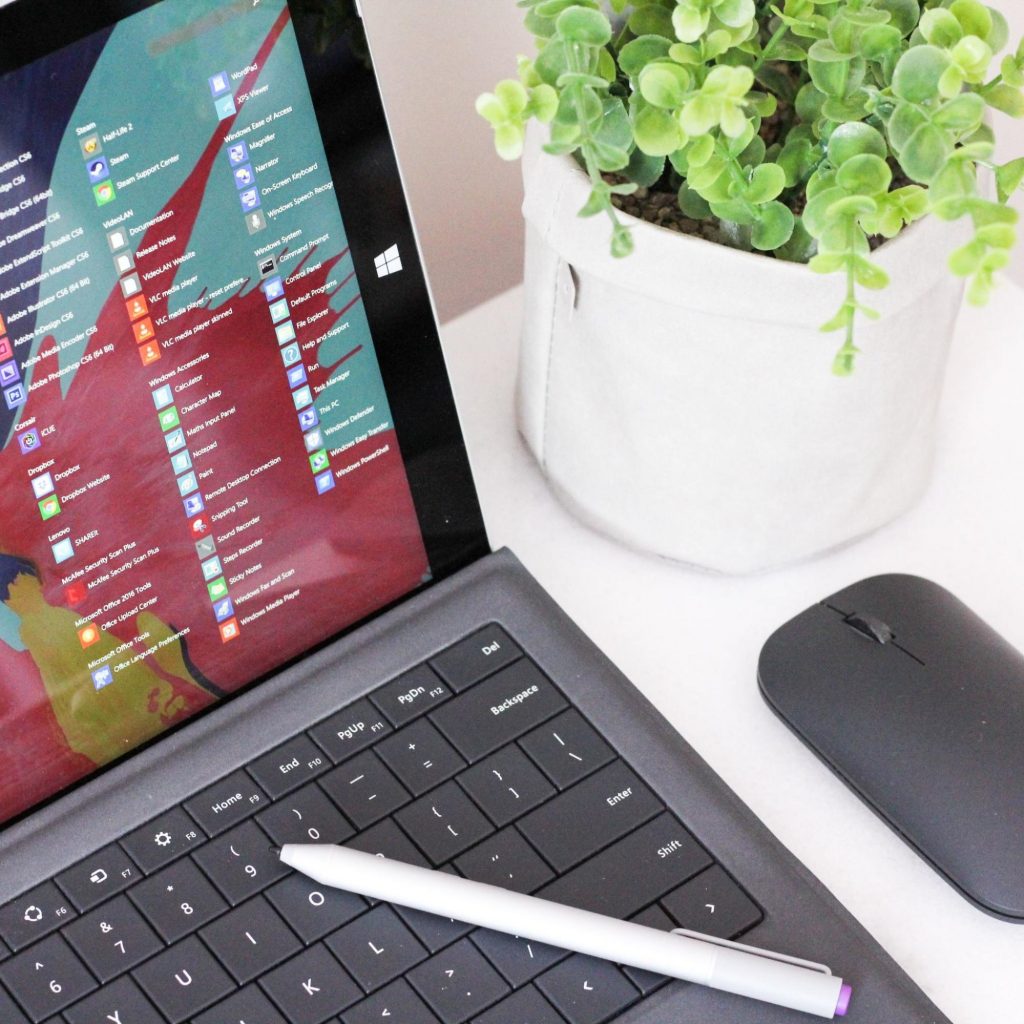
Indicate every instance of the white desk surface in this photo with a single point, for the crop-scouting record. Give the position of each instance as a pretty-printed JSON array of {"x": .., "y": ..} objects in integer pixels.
[{"x": 690, "y": 641}]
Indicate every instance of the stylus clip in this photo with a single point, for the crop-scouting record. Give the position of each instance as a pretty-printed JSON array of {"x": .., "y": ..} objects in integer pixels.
[{"x": 764, "y": 953}]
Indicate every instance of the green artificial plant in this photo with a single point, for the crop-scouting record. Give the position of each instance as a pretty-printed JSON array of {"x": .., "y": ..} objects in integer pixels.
[{"x": 807, "y": 129}]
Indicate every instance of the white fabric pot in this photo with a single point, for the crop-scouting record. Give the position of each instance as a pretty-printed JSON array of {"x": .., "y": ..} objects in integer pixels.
[{"x": 682, "y": 401}]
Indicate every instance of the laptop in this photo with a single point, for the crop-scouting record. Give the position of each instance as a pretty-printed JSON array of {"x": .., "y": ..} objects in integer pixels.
[{"x": 246, "y": 594}]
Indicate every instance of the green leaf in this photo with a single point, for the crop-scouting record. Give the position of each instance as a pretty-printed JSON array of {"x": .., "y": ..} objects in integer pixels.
[
  {"x": 916, "y": 78},
  {"x": 701, "y": 151},
  {"x": 1006, "y": 98},
  {"x": 832, "y": 77},
  {"x": 829, "y": 263},
  {"x": 774, "y": 227},
  {"x": 870, "y": 275},
  {"x": 543, "y": 103},
  {"x": 963, "y": 114},
  {"x": 879, "y": 41},
  {"x": 571, "y": 78},
  {"x": 490, "y": 108},
  {"x": 644, "y": 169},
  {"x": 855, "y": 139},
  {"x": 553, "y": 8},
  {"x": 1009, "y": 178},
  {"x": 800, "y": 248},
  {"x": 973, "y": 17},
  {"x": 690, "y": 23},
  {"x": 999, "y": 236},
  {"x": 636, "y": 55},
  {"x": 551, "y": 62},
  {"x": 766, "y": 184},
  {"x": 508, "y": 140},
  {"x": 622, "y": 242},
  {"x": 665, "y": 85},
  {"x": 816, "y": 214},
  {"x": 615, "y": 127},
  {"x": 597, "y": 202},
  {"x": 941, "y": 28},
  {"x": 735, "y": 13},
  {"x": 651, "y": 20},
  {"x": 699, "y": 116},
  {"x": 657, "y": 133},
  {"x": 850, "y": 207},
  {"x": 609, "y": 157},
  {"x": 513, "y": 95},
  {"x": 808, "y": 103},
  {"x": 967, "y": 260},
  {"x": 584, "y": 25},
  {"x": 693, "y": 204},
  {"x": 904, "y": 14},
  {"x": 867, "y": 175},
  {"x": 905, "y": 120},
  {"x": 925, "y": 153},
  {"x": 734, "y": 210}
]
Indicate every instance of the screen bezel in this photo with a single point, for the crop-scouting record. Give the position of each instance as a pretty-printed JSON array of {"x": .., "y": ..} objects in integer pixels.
[{"x": 401, "y": 314}]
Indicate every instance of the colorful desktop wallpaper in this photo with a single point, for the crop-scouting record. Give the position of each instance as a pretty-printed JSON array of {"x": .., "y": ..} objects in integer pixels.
[{"x": 200, "y": 474}]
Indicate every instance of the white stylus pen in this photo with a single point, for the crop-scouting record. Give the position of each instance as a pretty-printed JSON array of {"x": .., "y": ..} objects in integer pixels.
[{"x": 730, "y": 967}]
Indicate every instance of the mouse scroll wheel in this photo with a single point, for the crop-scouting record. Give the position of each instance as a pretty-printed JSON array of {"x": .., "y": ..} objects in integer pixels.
[{"x": 872, "y": 628}]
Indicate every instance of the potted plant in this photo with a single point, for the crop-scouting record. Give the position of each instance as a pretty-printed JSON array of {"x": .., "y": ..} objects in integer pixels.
[{"x": 764, "y": 165}]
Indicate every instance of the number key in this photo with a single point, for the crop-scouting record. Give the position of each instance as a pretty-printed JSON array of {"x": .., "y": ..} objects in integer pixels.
[
  {"x": 305, "y": 817},
  {"x": 113, "y": 939},
  {"x": 47, "y": 978},
  {"x": 178, "y": 900},
  {"x": 241, "y": 863}
]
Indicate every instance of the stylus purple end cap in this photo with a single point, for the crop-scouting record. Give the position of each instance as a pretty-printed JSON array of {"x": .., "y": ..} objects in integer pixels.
[{"x": 845, "y": 994}]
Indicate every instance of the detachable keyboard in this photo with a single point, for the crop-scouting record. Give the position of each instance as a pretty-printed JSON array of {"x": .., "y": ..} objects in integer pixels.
[{"x": 473, "y": 762}]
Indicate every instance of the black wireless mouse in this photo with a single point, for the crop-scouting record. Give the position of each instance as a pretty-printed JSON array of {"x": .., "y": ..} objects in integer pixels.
[{"x": 917, "y": 705}]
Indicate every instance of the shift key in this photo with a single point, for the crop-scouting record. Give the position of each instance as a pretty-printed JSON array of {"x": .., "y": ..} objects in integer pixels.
[
  {"x": 498, "y": 710},
  {"x": 595, "y": 812}
]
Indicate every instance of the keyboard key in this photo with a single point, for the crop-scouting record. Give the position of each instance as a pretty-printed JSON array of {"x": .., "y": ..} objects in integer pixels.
[
  {"x": 412, "y": 694},
  {"x": 350, "y": 730},
  {"x": 498, "y": 710},
  {"x": 364, "y": 789},
  {"x": 386, "y": 839},
  {"x": 420, "y": 756},
  {"x": 113, "y": 939},
  {"x": 10, "y": 1014},
  {"x": 33, "y": 915},
  {"x": 46, "y": 978},
  {"x": 289, "y": 766},
  {"x": 519, "y": 960},
  {"x": 527, "y": 1006},
  {"x": 178, "y": 901},
  {"x": 98, "y": 877},
  {"x": 444, "y": 823},
  {"x": 567, "y": 748},
  {"x": 164, "y": 839},
  {"x": 633, "y": 872},
  {"x": 183, "y": 980},
  {"x": 468, "y": 661},
  {"x": 241, "y": 863},
  {"x": 249, "y": 1005},
  {"x": 311, "y": 988},
  {"x": 122, "y": 1001},
  {"x": 434, "y": 932},
  {"x": 586, "y": 990},
  {"x": 458, "y": 983},
  {"x": 713, "y": 904},
  {"x": 594, "y": 813},
  {"x": 250, "y": 940},
  {"x": 506, "y": 860},
  {"x": 648, "y": 981},
  {"x": 226, "y": 803},
  {"x": 305, "y": 816},
  {"x": 376, "y": 948},
  {"x": 506, "y": 785},
  {"x": 313, "y": 910},
  {"x": 397, "y": 1003}
]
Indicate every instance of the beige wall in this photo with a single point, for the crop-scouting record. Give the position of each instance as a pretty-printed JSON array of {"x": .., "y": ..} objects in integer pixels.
[{"x": 434, "y": 57}]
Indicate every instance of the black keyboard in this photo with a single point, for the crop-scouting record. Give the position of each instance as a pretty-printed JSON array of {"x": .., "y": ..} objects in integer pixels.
[{"x": 473, "y": 763}]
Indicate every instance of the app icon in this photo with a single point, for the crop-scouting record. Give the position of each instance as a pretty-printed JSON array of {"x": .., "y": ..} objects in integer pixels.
[
  {"x": 224, "y": 609},
  {"x": 49, "y": 507},
  {"x": 169, "y": 418},
  {"x": 130, "y": 286},
  {"x": 238, "y": 153},
  {"x": 102, "y": 677},
  {"x": 318, "y": 461},
  {"x": 117, "y": 239},
  {"x": 296, "y": 375},
  {"x": 291, "y": 354},
  {"x": 143, "y": 330},
  {"x": 98, "y": 169},
  {"x": 225, "y": 107},
  {"x": 29, "y": 442},
  {"x": 89, "y": 635},
  {"x": 123, "y": 262},
  {"x": 163, "y": 397},
  {"x": 219, "y": 84},
  {"x": 244, "y": 176},
  {"x": 255, "y": 222},
  {"x": 175, "y": 441},
  {"x": 15, "y": 396},
  {"x": 250, "y": 199},
  {"x": 313, "y": 440},
  {"x": 181, "y": 463},
  {"x": 302, "y": 398},
  {"x": 229, "y": 630},
  {"x": 200, "y": 526},
  {"x": 187, "y": 484},
  {"x": 218, "y": 589},
  {"x": 75, "y": 594},
  {"x": 63, "y": 551},
  {"x": 273, "y": 288},
  {"x": 8, "y": 373},
  {"x": 149, "y": 353},
  {"x": 324, "y": 482},
  {"x": 211, "y": 569},
  {"x": 104, "y": 193},
  {"x": 206, "y": 547},
  {"x": 193, "y": 505},
  {"x": 308, "y": 418},
  {"x": 91, "y": 145},
  {"x": 5, "y": 349},
  {"x": 136, "y": 307},
  {"x": 279, "y": 310},
  {"x": 268, "y": 266},
  {"x": 285, "y": 332},
  {"x": 42, "y": 485}
]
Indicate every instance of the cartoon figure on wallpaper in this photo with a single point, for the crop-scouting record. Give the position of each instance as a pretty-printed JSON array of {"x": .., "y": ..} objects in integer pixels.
[{"x": 115, "y": 705}]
